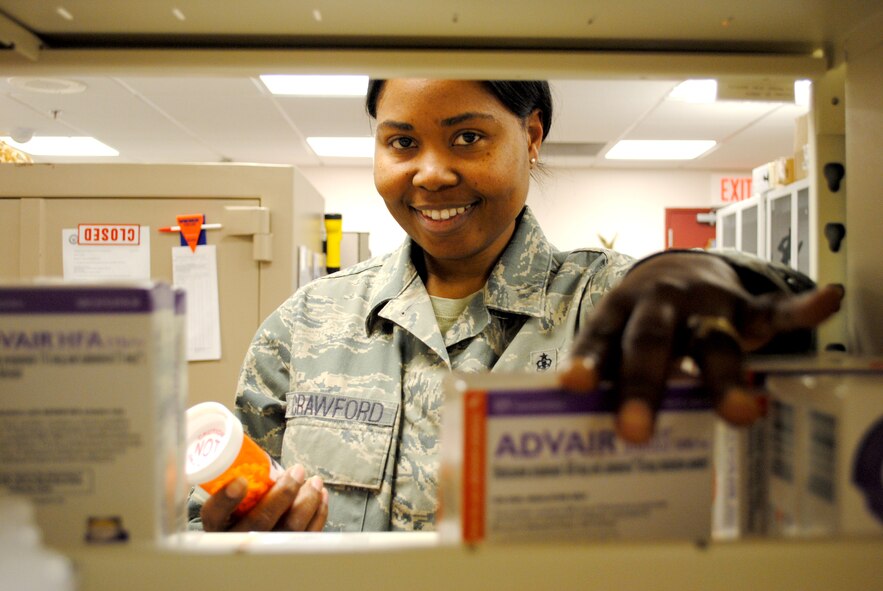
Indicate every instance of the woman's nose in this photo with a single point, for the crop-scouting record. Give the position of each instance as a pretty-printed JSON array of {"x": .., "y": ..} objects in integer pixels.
[{"x": 434, "y": 172}]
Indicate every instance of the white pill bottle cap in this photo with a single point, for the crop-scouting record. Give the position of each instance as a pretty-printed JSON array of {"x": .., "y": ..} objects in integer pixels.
[{"x": 214, "y": 437}]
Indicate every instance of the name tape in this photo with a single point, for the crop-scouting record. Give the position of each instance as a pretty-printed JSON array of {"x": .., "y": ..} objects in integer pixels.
[{"x": 341, "y": 408}]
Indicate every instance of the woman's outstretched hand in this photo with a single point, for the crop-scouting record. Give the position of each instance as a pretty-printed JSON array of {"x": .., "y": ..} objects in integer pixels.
[{"x": 677, "y": 305}]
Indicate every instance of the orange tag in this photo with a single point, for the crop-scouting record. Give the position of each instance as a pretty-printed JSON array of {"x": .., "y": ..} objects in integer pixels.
[{"x": 191, "y": 226}]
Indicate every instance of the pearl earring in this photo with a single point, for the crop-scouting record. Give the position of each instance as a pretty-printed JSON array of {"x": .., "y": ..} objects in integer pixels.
[{"x": 533, "y": 160}]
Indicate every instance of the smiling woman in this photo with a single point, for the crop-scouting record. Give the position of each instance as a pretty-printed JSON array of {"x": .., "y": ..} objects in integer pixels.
[
  {"x": 454, "y": 179},
  {"x": 475, "y": 287}
]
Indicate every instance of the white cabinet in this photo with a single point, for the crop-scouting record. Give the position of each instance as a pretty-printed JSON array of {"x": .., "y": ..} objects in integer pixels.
[
  {"x": 789, "y": 236},
  {"x": 777, "y": 225},
  {"x": 741, "y": 226}
]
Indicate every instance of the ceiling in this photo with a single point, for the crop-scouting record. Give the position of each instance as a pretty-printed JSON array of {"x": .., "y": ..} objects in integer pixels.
[{"x": 228, "y": 116}]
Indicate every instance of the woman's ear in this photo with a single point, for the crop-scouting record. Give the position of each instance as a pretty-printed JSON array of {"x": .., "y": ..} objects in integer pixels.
[{"x": 534, "y": 133}]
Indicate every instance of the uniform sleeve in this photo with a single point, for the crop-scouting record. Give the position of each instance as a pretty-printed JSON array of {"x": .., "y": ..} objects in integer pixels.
[
  {"x": 260, "y": 395},
  {"x": 264, "y": 381},
  {"x": 604, "y": 273}
]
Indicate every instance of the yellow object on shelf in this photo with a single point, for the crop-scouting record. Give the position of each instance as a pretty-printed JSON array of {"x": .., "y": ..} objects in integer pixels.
[{"x": 11, "y": 155}]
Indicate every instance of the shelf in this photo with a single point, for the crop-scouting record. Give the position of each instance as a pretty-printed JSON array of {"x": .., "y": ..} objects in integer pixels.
[{"x": 392, "y": 562}]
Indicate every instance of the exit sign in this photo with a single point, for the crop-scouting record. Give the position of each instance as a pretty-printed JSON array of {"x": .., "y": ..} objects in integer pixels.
[{"x": 730, "y": 189}]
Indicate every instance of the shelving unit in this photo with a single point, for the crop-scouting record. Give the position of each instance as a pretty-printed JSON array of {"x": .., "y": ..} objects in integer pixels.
[{"x": 391, "y": 561}]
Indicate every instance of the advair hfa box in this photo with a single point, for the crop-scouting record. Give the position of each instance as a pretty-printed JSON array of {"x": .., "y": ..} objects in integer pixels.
[
  {"x": 523, "y": 460},
  {"x": 91, "y": 409}
]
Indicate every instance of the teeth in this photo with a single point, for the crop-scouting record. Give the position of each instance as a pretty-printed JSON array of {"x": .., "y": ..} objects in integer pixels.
[{"x": 444, "y": 214}]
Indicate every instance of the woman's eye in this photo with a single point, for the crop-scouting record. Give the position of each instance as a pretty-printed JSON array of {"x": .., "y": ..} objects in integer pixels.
[
  {"x": 402, "y": 143},
  {"x": 466, "y": 138}
]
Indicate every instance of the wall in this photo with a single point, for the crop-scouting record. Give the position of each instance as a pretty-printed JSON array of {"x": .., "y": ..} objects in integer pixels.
[{"x": 573, "y": 205}]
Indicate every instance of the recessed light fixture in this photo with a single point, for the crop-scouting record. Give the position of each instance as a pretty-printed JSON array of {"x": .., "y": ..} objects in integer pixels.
[
  {"x": 695, "y": 91},
  {"x": 342, "y": 147},
  {"x": 298, "y": 85},
  {"x": 63, "y": 146},
  {"x": 47, "y": 85},
  {"x": 659, "y": 149}
]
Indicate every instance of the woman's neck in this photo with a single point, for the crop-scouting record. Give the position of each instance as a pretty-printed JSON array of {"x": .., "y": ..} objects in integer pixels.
[{"x": 458, "y": 278}]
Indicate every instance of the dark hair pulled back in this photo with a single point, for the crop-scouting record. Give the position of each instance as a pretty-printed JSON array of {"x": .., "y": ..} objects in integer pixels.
[{"x": 520, "y": 97}]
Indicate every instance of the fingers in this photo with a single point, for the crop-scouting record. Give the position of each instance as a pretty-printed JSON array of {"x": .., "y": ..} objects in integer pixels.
[
  {"x": 767, "y": 316},
  {"x": 647, "y": 350},
  {"x": 579, "y": 374},
  {"x": 599, "y": 343},
  {"x": 309, "y": 510},
  {"x": 321, "y": 516},
  {"x": 217, "y": 511},
  {"x": 717, "y": 350},
  {"x": 274, "y": 505},
  {"x": 293, "y": 504}
]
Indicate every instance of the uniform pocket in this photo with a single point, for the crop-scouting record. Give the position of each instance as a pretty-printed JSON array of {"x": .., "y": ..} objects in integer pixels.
[{"x": 345, "y": 448}]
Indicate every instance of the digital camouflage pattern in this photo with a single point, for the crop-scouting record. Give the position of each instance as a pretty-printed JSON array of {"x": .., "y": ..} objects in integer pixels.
[{"x": 345, "y": 377}]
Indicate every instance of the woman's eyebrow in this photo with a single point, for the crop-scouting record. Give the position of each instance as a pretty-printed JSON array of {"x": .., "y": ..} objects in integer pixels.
[
  {"x": 398, "y": 125},
  {"x": 447, "y": 122},
  {"x": 465, "y": 117}
]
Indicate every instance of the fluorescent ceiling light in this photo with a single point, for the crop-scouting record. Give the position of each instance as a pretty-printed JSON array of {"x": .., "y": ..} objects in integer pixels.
[
  {"x": 342, "y": 147},
  {"x": 659, "y": 149},
  {"x": 62, "y": 146},
  {"x": 695, "y": 91},
  {"x": 315, "y": 85}
]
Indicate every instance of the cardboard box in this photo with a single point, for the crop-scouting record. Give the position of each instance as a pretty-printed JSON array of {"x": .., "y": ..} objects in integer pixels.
[
  {"x": 782, "y": 173},
  {"x": 740, "y": 507},
  {"x": 801, "y": 147},
  {"x": 836, "y": 464},
  {"x": 761, "y": 179},
  {"x": 801, "y": 132},
  {"x": 522, "y": 460},
  {"x": 92, "y": 409}
]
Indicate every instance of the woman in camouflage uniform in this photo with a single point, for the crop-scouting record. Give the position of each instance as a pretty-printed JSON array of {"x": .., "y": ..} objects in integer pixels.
[{"x": 343, "y": 380}]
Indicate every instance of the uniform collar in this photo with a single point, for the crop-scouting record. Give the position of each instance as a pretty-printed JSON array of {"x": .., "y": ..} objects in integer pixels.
[{"x": 517, "y": 283}]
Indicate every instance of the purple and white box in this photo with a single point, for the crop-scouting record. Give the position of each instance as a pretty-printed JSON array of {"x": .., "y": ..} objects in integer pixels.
[
  {"x": 523, "y": 460},
  {"x": 90, "y": 409}
]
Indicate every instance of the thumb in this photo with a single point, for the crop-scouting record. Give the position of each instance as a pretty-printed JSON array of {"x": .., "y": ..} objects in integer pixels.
[{"x": 771, "y": 315}]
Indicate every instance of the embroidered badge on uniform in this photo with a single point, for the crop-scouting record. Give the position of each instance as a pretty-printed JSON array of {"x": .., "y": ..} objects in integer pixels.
[{"x": 544, "y": 360}]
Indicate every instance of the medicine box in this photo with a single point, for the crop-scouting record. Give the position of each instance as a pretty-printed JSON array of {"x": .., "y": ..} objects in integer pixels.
[
  {"x": 92, "y": 406},
  {"x": 522, "y": 460},
  {"x": 824, "y": 467},
  {"x": 739, "y": 507},
  {"x": 836, "y": 403}
]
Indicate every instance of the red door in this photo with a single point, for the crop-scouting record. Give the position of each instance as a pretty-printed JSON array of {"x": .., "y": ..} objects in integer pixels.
[{"x": 682, "y": 230}]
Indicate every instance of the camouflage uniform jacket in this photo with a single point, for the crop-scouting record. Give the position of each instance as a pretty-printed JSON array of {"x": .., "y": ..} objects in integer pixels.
[{"x": 345, "y": 377}]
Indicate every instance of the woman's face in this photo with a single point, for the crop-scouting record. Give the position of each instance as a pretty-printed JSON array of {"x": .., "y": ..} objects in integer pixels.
[{"x": 453, "y": 166}]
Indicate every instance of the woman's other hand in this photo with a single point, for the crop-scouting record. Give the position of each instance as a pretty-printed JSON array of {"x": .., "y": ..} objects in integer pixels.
[
  {"x": 294, "y": 503},
  {"x": 677, "y": 305}
]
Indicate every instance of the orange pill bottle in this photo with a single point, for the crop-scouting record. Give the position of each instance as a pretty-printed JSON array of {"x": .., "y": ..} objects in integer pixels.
[{"x": 218, "y": 451}]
